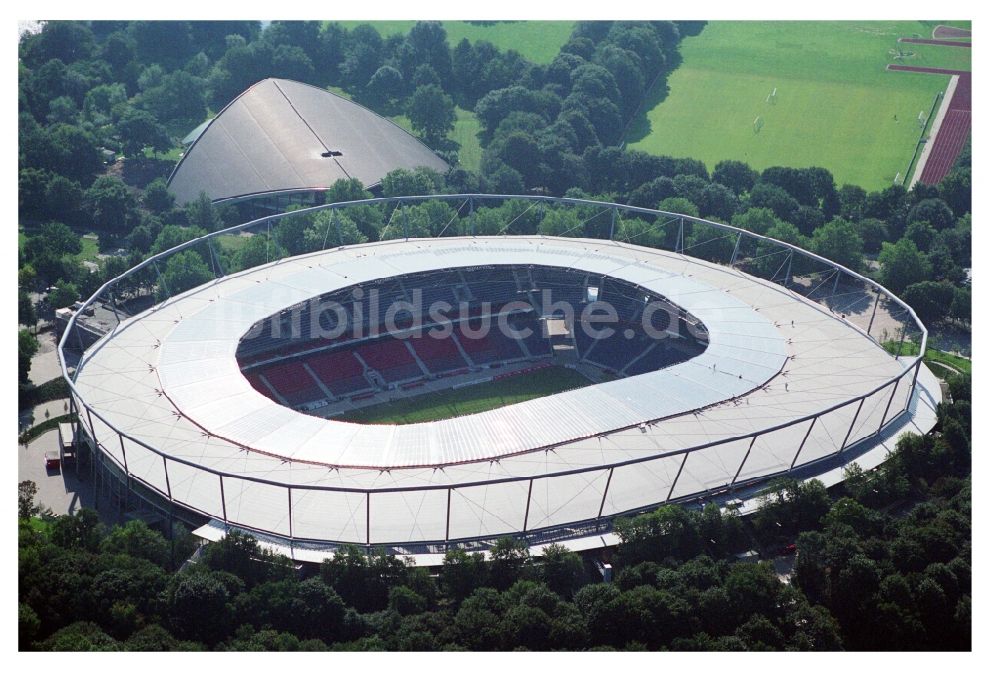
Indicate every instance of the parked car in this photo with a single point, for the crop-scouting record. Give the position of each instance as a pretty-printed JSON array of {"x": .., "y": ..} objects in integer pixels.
[{"x": 52, "y": 459}]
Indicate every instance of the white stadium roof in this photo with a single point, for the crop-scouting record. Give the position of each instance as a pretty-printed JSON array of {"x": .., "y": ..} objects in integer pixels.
[{"x": 169, "y": 378}]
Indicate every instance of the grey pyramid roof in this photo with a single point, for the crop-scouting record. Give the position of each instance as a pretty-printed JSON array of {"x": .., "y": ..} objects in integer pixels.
[{"x": 285, "y": 135}]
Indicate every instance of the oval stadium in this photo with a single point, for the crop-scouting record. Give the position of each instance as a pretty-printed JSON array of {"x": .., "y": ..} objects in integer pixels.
[{"x": 421, "y": 393}]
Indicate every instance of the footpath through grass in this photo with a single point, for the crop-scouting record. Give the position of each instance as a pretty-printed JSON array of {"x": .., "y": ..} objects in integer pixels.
[
  {"x": 836, "y": 105},
  {"x": 468, "y": 400},
  {"x": 537, "y": 41}
]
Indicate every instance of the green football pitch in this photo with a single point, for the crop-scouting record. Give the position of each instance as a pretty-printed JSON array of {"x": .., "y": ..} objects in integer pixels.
[
  {"x": 836, "y": 105},
  {"x": 472, "y": 399},
  {"x": 537, "y": 41}
]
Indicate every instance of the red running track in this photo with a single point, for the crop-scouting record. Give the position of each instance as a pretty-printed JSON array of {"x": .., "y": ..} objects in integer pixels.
[
  {"x": 955, "y": 126},
  {"x": 942, "y": 43},
  {"x": 951, "y": 32}
]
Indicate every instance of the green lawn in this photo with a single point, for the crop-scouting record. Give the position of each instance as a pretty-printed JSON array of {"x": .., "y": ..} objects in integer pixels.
[
  {"x": 836, "y": 107},
  {"x": 464, "y": 134},
  {"x": 91, "y": 247},
  {"x": 230, "y": 243},
  {"x": 89, "y": 242},
  {"x": 909, "y": 349},
  {"x": 471, "y": 399},
  {"x": 174, "y": 154},
  {"x": 537, "y": 41}
]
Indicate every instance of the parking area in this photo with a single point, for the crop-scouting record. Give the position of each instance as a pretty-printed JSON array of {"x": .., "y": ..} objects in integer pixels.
[{"x": 58, "y": 489}]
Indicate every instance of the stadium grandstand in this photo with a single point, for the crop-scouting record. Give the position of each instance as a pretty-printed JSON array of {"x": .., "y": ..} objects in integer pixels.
[
  {"x": 223, "y": 405},
  {"x": 284, "y": 142},
  {"x": 315, "y": 376}
]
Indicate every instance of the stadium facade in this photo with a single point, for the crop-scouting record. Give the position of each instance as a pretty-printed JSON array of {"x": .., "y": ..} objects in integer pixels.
[{"x": 779, "y": 367}]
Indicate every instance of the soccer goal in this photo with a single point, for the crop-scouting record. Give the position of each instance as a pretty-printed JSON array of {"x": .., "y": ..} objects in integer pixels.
[
  {"x": 758, "y": 124},
  {"x": 772, "y": 97},
  {"x": 922, "y": 119}
]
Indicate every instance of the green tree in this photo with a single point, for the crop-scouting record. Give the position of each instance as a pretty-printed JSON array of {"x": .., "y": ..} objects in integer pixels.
[
  {"x": 103, "y": 102},
  {"x": 737, "y": 176},
  {"x": 137, "y": 539},
  {"x": 873, "y": 232},
  {"x": 961, "y": 305},
  {"x": 82, "y": 530},
  {"x": 257, "y": 250},
  {"x": 63, "y": 109},
  {"x": 679, "y": 205},
  {"x": 756, "y": 219},
  {"x": 174, "y": 235},
  {"x": 72, "y": 153},
  {"x": 402, "y": 182},
  {"x": 203, "y": 214},
  {"x": 788, "y": 506},
  {"x": 178, "y": 100},
  {"x": 138, "y": 130},
  {"x": 839, "y": 241},
  {"x": 64, "y": 294},
  {"x": 930, "y": 300},
  {"x": 156, "y": 197},
  {"x": 26, "y": 314},
  {"x": 923, "y": 234},
  {"x": 80, "y": 637},
  {"x": 934, "y": 210},
  {"x": 28, "y": 626},
  {"x": 902, "y": 264},
  {"x": 26, "y": 492},
  {"x": 154, "y": 638},
  {"x": 507, "y": 559},
  {"x": 347, "y": 190},
  {"x": 111, "y": 205},
  {"x": 199, "y": 608},
  {"x": 241, "y": 555},
  {"x": 561, "y": 569},
  {"x": 405, "y": 601},
  {"x": 183, "y": 271},
  {"x": 638, "y": 231},
  {"x": 27, "y": 346},
  {"x": 956, "y": 190},
  {"x": 363, "y": 581},
  {"x": 561, "y": 223},
  {"x": 384, "y": 87},
  {"x": 462, "y": 573},
  {"x": 668, "y": 532},
  {"x": 64, "y": 200},
  {"x": 432, "y": 112},
  {"x": 332, "y": 228}
]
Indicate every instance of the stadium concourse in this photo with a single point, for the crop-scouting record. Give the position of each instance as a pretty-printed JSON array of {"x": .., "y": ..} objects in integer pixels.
[{"x": 778, "y": 383}]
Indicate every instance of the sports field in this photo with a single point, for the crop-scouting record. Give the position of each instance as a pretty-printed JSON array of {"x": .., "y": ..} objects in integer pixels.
[
  {"x": 537, "y": 41},
  {"x": 471, "y": 399},
  {"x": 836, "y": 105}
]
